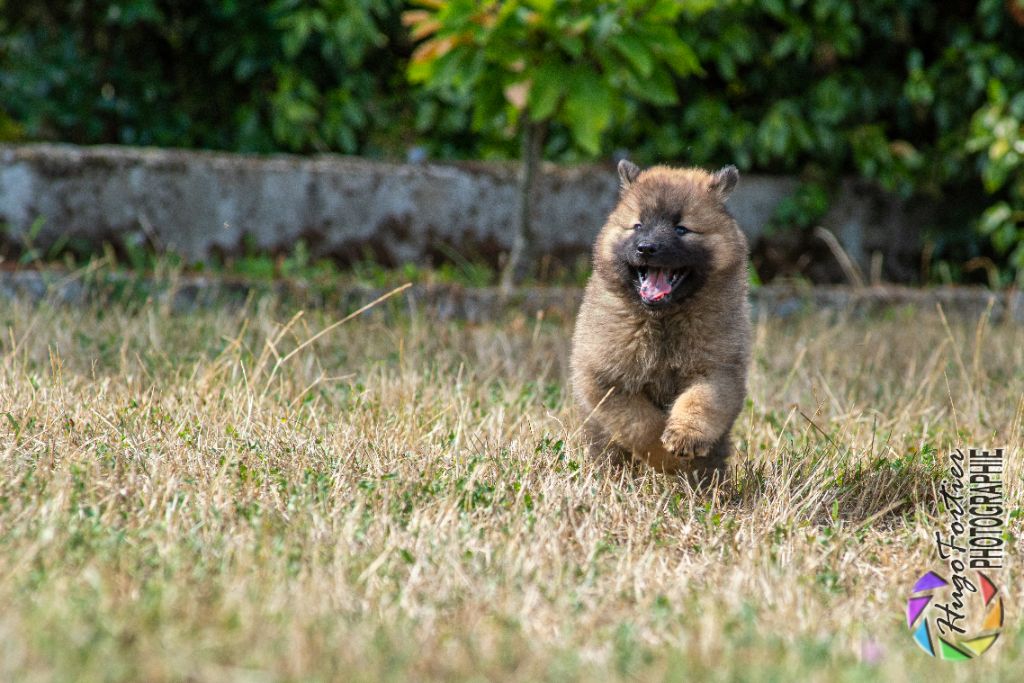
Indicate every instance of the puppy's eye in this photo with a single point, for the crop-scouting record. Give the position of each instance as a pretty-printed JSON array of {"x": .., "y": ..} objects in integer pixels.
[
  {"x": 637, "y": 226},
  {"x": 682, "y": 230}
]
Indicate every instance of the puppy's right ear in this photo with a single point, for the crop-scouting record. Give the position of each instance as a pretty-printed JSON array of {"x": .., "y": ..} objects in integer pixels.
[{"x": 628, "y": 172}]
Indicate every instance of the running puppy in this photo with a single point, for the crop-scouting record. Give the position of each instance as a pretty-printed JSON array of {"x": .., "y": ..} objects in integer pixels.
[{"x": 662, "y": 341}]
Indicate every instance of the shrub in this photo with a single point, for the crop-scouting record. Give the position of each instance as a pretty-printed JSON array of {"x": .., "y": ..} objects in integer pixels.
[
  {"x": 890, "y": 91},
  {"x": 291, "y": 75},
  {"x": 525, "y": 64},
  {"x": 921, "y": 97}
]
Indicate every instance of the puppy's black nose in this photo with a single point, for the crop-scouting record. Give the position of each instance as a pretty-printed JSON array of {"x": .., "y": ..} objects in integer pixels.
[{"x": 646, "y": 248}]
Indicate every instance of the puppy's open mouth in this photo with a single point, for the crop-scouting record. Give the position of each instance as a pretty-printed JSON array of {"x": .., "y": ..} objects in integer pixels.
[{"x": 656, "y": 284}]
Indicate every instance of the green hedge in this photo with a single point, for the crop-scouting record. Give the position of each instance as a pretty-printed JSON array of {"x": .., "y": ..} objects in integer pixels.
[{"x": 923, "y": 97}]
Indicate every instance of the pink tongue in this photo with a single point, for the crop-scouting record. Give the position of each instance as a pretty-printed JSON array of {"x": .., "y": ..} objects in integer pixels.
[{"x": 655, "y": 285}]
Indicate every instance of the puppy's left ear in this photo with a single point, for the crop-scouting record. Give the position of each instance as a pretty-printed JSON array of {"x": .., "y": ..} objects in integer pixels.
[{"x": 723, "y": 181}]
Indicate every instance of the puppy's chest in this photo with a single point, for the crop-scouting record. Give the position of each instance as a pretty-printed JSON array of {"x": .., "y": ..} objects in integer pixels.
[
  {"x": 663, "y": 389},
  {"x": 656, "y": 369}
]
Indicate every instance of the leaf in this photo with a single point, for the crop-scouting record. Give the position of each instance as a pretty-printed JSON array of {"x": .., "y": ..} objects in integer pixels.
[
  {"x": 425, "y": 28},
  {"x": 517, "y": 94},
  {"x": 995, "y": 217},
  {"x": 434, "y": 63},
  {"x": 542, "y": 6},
  {"x": 433, "y": 50},
  {"x": 546, "y": 93},
  {"x": 660, "y": 89},
  {"x": 635, "y": 52},
  {"x": 420, "y": 72},
  {"x": 415, "y": 16},
  {"x": 681, "y": 58},
  {"x": 588, "y": 110},
  {"x": 571, "y": 44}
]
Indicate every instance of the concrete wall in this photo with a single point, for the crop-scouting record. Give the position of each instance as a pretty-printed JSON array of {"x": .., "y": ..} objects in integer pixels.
[{"x": 200, "y": 203}]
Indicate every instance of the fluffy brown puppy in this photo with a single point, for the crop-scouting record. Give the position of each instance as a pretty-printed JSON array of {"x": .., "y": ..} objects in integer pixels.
[{"x": 662, "y": 341}]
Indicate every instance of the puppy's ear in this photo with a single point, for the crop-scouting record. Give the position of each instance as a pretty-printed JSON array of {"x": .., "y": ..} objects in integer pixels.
[
  {"x": 724, "y": 180},
  {"x": 628, "y": 172}
]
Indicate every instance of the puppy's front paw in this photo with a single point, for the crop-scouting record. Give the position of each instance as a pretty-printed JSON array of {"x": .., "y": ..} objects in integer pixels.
[
  {"x": 686, "y": 443},
  {"x": 655, "y": 455}
]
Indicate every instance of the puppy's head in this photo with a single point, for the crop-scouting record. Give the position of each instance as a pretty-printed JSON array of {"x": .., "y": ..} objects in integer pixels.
[{"x": 669, "y": 234}]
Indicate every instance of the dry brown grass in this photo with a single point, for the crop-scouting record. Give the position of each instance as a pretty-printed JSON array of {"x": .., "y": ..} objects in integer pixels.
[{"x": 409, "y": 499}]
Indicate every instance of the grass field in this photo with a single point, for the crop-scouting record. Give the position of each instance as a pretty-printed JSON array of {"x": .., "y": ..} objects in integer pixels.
[{"x": 213, "y": 497}]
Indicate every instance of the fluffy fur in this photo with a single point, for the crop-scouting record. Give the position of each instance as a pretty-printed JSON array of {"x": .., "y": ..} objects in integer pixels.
[{"x": 661, "y": 377}]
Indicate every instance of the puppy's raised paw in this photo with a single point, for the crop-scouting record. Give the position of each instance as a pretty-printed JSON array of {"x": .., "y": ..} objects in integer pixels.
[{"x": 686, "y": 443}]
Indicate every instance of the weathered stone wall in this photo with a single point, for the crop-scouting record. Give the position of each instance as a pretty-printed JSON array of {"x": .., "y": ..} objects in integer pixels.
[{"x": 201, "y": 203}]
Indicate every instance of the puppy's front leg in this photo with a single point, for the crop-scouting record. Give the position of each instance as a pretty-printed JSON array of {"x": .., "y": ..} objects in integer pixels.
[
  {"x": 702, "y": 414},
  {"x": 637, "y": 425},
  {"x": 630, "y": 420}
]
